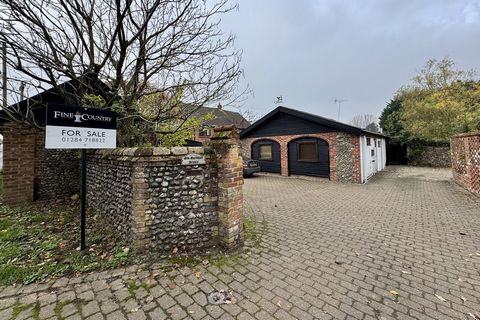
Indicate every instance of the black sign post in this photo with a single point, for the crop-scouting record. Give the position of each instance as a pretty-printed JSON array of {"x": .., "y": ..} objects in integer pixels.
[
  {"x": 83, "y": 203},
  {"x": 74, "y": 127}
]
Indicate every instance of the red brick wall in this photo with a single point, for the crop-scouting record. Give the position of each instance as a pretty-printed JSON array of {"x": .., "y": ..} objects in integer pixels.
[
  {"x": 18, "y": 163},
  {"x": 465, "y": 154},
  {"x": 330, "y": 137},
  {"x": 225, "y": 142}
]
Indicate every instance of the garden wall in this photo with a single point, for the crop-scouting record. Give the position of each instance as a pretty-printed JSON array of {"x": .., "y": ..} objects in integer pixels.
[
  {"x": 31, "y": 172},
  {"x": 433, "y": 156},
  {"x": 161, "y": 202},
  {"x": 465, "y": 150}
]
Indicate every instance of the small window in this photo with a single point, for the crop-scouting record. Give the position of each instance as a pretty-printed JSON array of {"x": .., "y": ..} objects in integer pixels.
[
  {"x": 369, "y": 142},
  {"x": 205, "y": 132},
  {"x": 373, "y": 152},
  {"x": 379, "y": 143},
  {"x": 266, "y": 152},
  {"x": 307, "y": 151}
]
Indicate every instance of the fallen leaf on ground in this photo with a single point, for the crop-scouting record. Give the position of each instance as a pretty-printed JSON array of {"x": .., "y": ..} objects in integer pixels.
[
  {"x": 474, "y": 316},
  {"x": 172, "y": 285},
  {"x": 440, "y": 298},
  {"x": 393, "y": 292},
  {"x": 406, "y": 272},
  {"x": 135, "y": 309},
  {"x": 174, "y": 250},
  {"x": 198, "y": 274},
  {"x": 148, "y": 299},
  {"x": 279, "y": 303},
  {"x": 464, "y": 299}
]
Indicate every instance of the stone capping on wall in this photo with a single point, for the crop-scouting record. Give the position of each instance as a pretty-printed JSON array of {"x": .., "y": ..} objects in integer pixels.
[{"x": 140, "y": 152}]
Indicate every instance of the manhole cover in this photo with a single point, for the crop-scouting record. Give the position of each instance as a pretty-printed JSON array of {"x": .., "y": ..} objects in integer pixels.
[{"x": 219, "y": 297}]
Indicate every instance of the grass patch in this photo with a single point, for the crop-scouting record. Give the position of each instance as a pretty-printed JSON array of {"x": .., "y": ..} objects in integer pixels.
[
  {"x": 254, "y": 230},
  {"x": 39, "y": 242},
  {"x": 133, "y": 287}
]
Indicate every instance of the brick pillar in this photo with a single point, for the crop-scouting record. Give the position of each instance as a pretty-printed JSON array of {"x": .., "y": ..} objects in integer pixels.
[
  {"x": 225, "y": 141},
  {"x": 139, "y": 207},
  {"x": 18, "y": 163}
]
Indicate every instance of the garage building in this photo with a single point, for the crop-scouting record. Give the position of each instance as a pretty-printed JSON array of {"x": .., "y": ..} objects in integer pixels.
[{"x": 292, "y": 142}]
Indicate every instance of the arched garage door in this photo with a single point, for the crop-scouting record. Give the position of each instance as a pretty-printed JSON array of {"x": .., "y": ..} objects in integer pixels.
[
  {"x": 309, "y": 157},
  {"x": 267, "y": 153}
]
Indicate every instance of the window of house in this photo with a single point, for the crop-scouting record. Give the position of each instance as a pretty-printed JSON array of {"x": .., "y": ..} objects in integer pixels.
[
  {"x": 307, "y": 151},
  {"x": 373, "y": 152},
  {"x": 266, "y": 152},
  {"x": 205, "y": 132},
  {"x": 369, "y": 142},
  {"x": 379, "y": 144}
]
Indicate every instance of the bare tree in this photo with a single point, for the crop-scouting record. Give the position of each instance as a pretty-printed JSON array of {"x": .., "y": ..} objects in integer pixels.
[
  {"x": 169, "y": 48},
  {"x": 363, "y": 120}
]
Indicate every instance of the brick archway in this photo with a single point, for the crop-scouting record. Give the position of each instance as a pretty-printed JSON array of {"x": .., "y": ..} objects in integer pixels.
[{"x": 329, "y": 137}]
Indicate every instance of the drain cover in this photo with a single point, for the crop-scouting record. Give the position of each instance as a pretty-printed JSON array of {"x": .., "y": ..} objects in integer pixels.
[
  {"x": 216, "y": 298},
  {"x": 219, "y": 297}
]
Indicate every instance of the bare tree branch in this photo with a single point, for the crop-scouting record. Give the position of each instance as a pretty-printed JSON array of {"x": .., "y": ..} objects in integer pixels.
[{"x": 137, "y": 47}]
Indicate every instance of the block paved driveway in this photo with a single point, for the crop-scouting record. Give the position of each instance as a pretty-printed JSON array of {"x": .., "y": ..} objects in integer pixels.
[{"x": 404, "y": 246}]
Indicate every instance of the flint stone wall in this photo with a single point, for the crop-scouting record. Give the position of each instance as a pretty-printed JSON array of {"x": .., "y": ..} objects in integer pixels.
[
  {"x": 181, "y": 205},
  {"x": 346, "y": 158},
  {"x": 433, "y": 156},
  {"x": 152, "y": 199},
  {"x": 109, "y": 178},
  {"x": 155, "y": 201}
]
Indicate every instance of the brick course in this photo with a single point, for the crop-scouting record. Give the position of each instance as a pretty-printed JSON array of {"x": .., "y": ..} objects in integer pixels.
[
  {"x": 332, "y": 138},
  {"x": 30, "y": 172},
  {"x": 18, "y": 163},
  {"x": 465, "y": 155}
]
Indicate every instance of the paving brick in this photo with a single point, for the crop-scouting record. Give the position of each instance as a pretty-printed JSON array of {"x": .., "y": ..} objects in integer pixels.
[{"x": 328, "y": 251}]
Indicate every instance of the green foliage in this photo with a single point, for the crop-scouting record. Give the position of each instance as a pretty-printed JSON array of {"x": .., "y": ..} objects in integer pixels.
[
  {"x": 373, "y": 127},
  {"x": 37, "y": 243},
  {"x": 436, "y": 115},
  {"x": 441, "y": 102},
  {"x": 175, "y": 133}
]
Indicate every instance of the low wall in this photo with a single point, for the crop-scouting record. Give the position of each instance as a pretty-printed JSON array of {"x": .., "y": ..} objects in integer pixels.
[
  {"x": 30, "y": 172},
  {"x": 465, "y": 153},
  {"x": 57, "y": 172},
  {"x": 433, "y": 156},
  {"x": 149, "y": 194},
  {"x": 161, "y": 203}
]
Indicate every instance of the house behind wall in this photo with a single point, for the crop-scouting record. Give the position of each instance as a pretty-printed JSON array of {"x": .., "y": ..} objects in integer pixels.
[{"x": 292, "y": 142}]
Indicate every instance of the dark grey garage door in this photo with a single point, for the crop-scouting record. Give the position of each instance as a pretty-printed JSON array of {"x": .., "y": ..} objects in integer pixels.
[
  {"x": 267, "y": 153},
  {"x": 309, "y": 157}
]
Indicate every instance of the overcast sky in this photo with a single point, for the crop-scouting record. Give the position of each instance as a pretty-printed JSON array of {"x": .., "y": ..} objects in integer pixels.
[{"x": 313, "y": 51}]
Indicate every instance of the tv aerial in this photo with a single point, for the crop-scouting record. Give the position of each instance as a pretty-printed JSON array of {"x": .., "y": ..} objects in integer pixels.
[
  {"x": 339, "y": 102},
  {"x": 278, "y": 100}
]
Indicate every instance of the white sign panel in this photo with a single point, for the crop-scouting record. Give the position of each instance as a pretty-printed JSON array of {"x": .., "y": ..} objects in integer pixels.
[
  {"x": 72, "y": 127},
  {"x": 79, "y": 138},
  {"x": 193, "y": 159}
]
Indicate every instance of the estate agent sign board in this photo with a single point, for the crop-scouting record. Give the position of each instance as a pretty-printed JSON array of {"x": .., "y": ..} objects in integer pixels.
[{"x": 72, "y": 127}]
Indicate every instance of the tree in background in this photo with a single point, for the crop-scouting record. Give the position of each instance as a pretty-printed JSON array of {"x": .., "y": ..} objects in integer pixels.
[
  {"x": 373, "y": 127},
  {"x": 441, "y": 102},
  {"x": 363, "y": 120},
  {"x": 390, "y": 121},
  {"x": 138, "y": 48}
]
